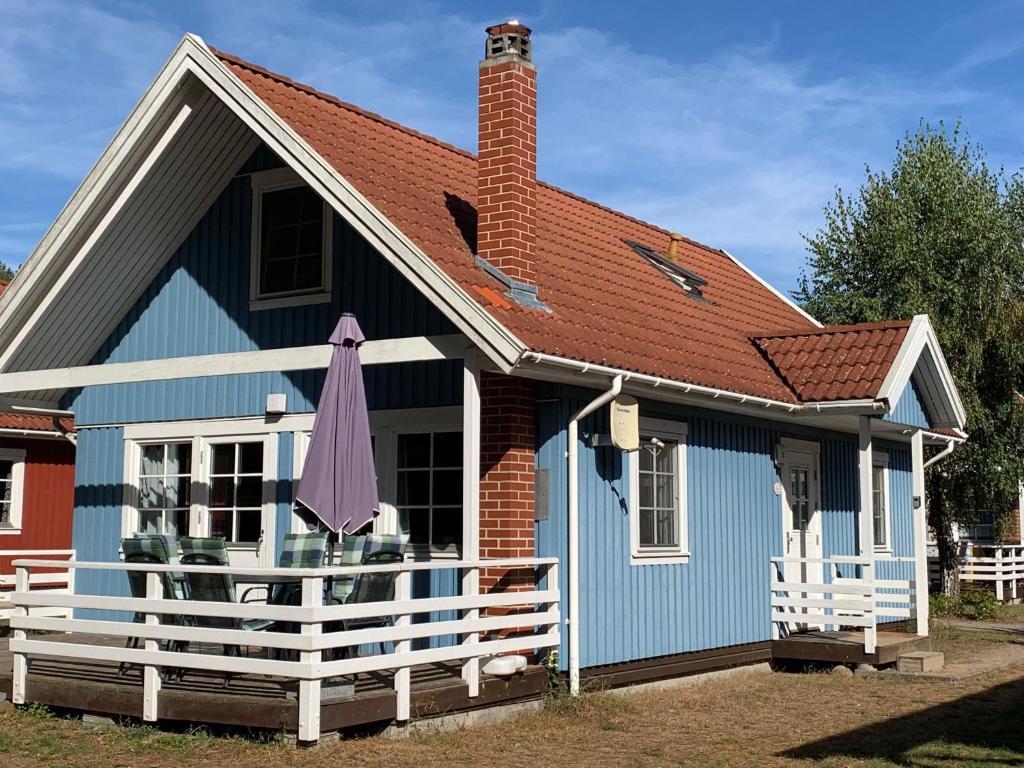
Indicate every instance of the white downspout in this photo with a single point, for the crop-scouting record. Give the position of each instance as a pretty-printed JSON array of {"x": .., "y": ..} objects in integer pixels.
[{"x": 572, "y": 455}]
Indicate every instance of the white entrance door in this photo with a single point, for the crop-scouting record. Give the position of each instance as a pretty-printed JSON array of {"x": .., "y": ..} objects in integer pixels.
[
  {"x": 801, "y": 516},
  {"x": 238, "y": 484}
]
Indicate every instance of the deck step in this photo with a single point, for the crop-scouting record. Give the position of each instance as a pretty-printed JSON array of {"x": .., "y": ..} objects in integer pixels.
[{"x": 920, "y": 661}]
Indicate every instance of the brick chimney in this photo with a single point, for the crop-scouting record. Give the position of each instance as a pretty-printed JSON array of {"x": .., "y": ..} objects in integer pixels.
[{"x": 506, "y": 202}]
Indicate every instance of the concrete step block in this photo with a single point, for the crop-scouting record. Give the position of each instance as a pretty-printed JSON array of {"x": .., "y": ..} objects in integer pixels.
[{"x": 920, "y": 661}]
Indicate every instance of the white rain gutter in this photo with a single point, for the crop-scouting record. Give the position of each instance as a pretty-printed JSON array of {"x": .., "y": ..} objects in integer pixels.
[
  {"x": 34, "y": 433},
  {"x": 572, "y": 621},
  {"x": 950, "y": 447},
  {"x": 860, "y": 406}
]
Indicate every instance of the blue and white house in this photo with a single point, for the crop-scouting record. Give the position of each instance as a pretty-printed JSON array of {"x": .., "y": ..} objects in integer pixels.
[{"x": 179, "y": 307}]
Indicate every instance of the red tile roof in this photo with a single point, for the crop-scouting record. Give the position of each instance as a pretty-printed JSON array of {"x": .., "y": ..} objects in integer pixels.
[
  {"x": 839, "y": 362},
  {"x": 609, "y": 304},
  {"x": 34, "y": 422}
]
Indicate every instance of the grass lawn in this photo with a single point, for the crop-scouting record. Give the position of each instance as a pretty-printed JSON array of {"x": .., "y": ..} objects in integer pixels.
[{"x": 758, "y": 719}]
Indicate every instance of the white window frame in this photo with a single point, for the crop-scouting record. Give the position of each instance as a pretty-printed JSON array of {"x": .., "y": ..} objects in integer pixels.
[
  {"x": 880, "y": 459},
  {"x": 202, "y": 435},
  {"x": 276, "y": 180},
  {"x": 675, "y": 431},
  {"x": 17, "y": 457}
]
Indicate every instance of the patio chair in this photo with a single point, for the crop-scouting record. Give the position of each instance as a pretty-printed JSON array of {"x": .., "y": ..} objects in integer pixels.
[
  {"x": 299, "y": 550},
  {"x": 191, "y": 545},
  {"x": 218, "y": 588},
  {"x": 373, "y": 588},
  {"x": 143, "y": 551},
  {"x": 164, "y": 546},
  {"x": 355, "y": 548}
]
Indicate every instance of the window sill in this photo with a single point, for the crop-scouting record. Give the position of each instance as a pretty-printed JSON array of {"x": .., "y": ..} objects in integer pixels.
[
  {"x": 883, "y": 550},
  {"x": 9, "y": 531},
  {"x": 279, "y": 302},
  {"x": 659, "y": 558}
]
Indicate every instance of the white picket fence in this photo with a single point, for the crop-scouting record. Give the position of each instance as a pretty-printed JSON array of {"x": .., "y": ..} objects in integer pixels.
[
  {"x": 839, "y": 601},
  {"x": 534, "y": 619},
  {"x": 996, "y": 566},
  {"x": 61, "y": 581}
]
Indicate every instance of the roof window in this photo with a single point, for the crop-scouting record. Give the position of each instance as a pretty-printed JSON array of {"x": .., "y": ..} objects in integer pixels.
[{"x": 689, "y": 281}]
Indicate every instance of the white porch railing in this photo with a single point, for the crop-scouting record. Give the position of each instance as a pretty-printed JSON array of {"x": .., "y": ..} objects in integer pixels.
[
  {"x": 535, "y": 621},
  {"x": 839, "y": 601},
  {"x": 999, "y": 566},
  {"x": 60, "y": 581}
]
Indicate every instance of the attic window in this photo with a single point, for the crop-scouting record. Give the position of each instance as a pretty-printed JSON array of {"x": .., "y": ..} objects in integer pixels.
[
  {"x": 689, "y": 281},
  {"x": 291, "y": 242}
]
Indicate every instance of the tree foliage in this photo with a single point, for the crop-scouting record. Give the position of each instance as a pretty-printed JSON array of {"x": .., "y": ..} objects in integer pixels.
[
  {"x": 940, "y": 233},
  {"x": 6, "y": 273}
]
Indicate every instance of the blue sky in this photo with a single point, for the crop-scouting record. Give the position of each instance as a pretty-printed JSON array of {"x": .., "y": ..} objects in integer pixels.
[{"x": 730, "y": 122}]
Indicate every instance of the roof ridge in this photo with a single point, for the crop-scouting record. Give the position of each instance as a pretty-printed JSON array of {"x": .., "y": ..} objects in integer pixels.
[
  {"x": 312, "y": 91},
  {"x": 830, "y": 329}
]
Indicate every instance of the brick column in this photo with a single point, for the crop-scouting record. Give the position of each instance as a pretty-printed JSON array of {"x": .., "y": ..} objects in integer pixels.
[{"x": 507, "y": 452}]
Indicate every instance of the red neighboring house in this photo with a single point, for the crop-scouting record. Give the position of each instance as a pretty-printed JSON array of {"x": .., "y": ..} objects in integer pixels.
[{"x": 37, "y": 480}]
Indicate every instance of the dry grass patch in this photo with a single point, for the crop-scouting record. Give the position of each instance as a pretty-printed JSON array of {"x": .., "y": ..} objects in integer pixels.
[{"x": 749, "y": 720}]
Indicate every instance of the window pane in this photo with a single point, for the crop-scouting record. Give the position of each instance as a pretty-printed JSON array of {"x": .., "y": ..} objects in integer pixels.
[
  {"x": 6, "y": 470},
  {"x": 248, "y": 526},
  {"x": 413, "y": 451},
  {"x": 250, "y": 492},
  {"x": 414, "y": 488},
  {"x": 646, "y": 457},
  {"x": 179, "y": 459},
  {"x": 666, "y": 532},
  {"x": 448, "y": 449},
  {"x": 222, "y": 492},
  {"x": 666, "y": 458},
  {"x": 152, "y": 460},
  {"x": 291, "y": 241},
  {"x": 646, "y": 489},
  {"x": 151, "y": 493},
  {"x": 149, "y": 522},
  {"x": 447, "y": 528},
  {"x": 177, "y": 492},
  {"x": 177, "y": 523},
  {"x": 647, "y": 528},
  {"x": 222, "y": 459},
  {"x": 307, "y": 273},
  {"x": 220, "y": 524},
  {"x": 448, "y": 486},
  {"x": 666, "y": 492},
  {"x": 250, "y": 458},
  {"x": 5, "y": 513},
  {"x": 416, "y": 524},
  {"x": 5, "y": 489}
]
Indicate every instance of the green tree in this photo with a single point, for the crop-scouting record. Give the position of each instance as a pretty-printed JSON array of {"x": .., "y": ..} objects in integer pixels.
[
  {"x": 940, "y": 233},
  {"x": 6, "y": 273}
]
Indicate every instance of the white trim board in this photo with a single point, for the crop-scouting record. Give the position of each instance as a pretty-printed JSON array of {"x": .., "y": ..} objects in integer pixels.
[
  {"x": 37, "y": 288},
  {"x": 920, "y": 357},
  {"x": 376, "y": 352}
]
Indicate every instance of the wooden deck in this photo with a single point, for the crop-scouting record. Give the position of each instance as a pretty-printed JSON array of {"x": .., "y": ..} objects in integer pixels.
[
  {"x": 259, "y": 702},
  {"x": 847, "y": 647}
]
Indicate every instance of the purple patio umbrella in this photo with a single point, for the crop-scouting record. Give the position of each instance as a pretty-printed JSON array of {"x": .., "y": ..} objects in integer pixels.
[{"x": 339, "y": 483}]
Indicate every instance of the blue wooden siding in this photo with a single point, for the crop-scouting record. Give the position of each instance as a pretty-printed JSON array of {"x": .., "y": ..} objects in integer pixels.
[
  {"x": 720, "y": 597},
  {"x": 909, "y": 409},
  {"x": 198, "y": 304},
  {"x": 96, "y": 530}
]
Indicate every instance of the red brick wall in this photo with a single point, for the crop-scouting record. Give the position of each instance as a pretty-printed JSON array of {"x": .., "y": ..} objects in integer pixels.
[
  {"x": 507, "y": 450},
  {"x": 506, "y": 203}
]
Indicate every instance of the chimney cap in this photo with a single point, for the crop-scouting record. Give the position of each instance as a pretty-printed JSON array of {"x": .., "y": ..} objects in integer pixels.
[{"x": 509, "y": 39}]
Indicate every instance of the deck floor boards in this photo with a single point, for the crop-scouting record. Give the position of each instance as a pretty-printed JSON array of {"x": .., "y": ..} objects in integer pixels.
[{"x": 847, "y": 647}]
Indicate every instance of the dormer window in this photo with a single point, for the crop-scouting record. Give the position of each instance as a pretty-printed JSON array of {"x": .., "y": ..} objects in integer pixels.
[
  {"x": 291, "y": 242},
  {"x": 689, "y": 281}
]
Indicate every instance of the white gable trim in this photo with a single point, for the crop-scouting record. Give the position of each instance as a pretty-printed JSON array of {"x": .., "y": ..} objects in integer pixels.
[
  {"x": 921, "y": 356},
  {"x": 30, "y": 294}
]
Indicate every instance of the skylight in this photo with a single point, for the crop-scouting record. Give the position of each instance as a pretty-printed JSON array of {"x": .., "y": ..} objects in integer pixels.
[{"x": 689, "y": 281}]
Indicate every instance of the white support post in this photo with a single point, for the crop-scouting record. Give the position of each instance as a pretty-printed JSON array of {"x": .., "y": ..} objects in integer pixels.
[
  {"x": 999, "y": 574},
  {"x": 774, "y": 581},
  {"x": 866, "y": 529},
  {"x": 471, "y": 508},
  {"x": 21, "y": 585},
  {"x": 309, "y": 690},
  {"x": 552, "y": 583},
  {"x": 151, "y": 673},
  {"x": 920, "y": 513},
  {"x": 403, "y": 675},
  {"x": 70, "y": 614}
]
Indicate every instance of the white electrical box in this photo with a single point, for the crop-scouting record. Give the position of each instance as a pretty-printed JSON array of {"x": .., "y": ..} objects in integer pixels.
[
  {"x": 625, "y": 423},
  {"x": 277, "y": 403}
]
